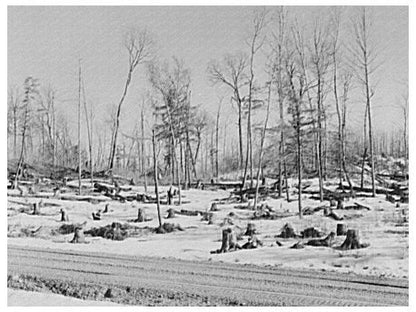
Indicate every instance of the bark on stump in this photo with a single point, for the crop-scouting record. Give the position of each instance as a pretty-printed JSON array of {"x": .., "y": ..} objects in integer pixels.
[
  {"x": 64, "y": 215},
  {"x": 140, "y": 215},
  {"x": 251, "y": 229},
  {"x": 352, "y": 241},
  {"x": 340, "y": 204},
  {"x": 341, "y": 229},
  {"x": 78, "y": 236},
  {"x": 229, "y": 241},
  {"x": 36, "y": 208},
  {"x": 214, "y": 207},
  {"x": 171, "y": 213}
]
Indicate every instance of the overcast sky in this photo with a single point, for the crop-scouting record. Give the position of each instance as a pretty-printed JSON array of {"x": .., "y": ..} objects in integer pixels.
[{"x": 46, "y": 43}]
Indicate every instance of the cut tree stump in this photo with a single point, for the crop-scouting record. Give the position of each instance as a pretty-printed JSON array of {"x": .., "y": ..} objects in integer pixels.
[
  {"x": 140, "y": 215},
  {"x": 251, "y": 229},
  {"x": 352, "y": 241},
  {"x": 311, "y": 232},
  {"x": 106, "y": 208},
  {"x": 79, "y": 236},
  {"x": 214, "y": 207},
  {"x": 340, "y": 203},
  {"x": 332, "y": 202},
  {"x": 229, "y": 241},
  {"x": 36, "y": 208},
  {"x": 341, "y": 229},
  {"x": 171, "y": 213},
  {"x": 287, "y": 232},
  {"x": 64, "y": 215},
  {"x": 210, "y": 218},
  {"x": 327, "y": 211}
]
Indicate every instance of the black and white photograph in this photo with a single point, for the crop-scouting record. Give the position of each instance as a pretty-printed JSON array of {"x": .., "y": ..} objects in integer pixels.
[{"x": 207, "y": 155}]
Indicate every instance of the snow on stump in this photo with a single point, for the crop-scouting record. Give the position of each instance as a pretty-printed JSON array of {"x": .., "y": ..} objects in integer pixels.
[
  {"x": 341, "y": 229},
  {"x": 352, "y": 241},
  {"x": 79, "y": 236},
  {"x": 251, "y": 229},
  {"x": 229, "y": 241},
  {"x": 214, "y": 207},
  {"x": 64, "y": 215},
  {"x": 171, "y": 213},
  {"x": 287, "y": 232}
]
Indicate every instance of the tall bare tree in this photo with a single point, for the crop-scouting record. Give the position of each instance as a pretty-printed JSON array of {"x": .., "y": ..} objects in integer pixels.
[
  {"x": 138, "y": 44},
  {"x": 232, "y": 73},
  {"x": 364, "y": 62},
  {"x": 255, "y": 43}
]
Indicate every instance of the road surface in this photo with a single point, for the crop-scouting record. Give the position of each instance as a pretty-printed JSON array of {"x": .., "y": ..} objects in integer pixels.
[{"x": 161, "y": 281}]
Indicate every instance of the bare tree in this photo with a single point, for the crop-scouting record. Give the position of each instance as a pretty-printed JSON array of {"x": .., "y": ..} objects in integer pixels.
[
  {"x": 232, "y": 73},
  {"x": 341, "y": 108},
  {"x": 262, "y": 139},
  {"x": 156, "y": 177},
  {"x": 138, "y": 45},
  {"x": 13, "y": 110},
  {"x": 255, "y": 44},
  {"x": 364, "y": 58}
]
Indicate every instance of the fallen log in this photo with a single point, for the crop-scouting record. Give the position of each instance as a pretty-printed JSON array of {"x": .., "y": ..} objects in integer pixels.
[{"x": 326, "y": 242}]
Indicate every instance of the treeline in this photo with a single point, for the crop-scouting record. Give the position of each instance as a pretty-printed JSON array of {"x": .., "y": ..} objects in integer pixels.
[{"x": 290, "y": 90}]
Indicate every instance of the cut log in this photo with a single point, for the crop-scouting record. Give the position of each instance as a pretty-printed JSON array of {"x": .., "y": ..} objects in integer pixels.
[
  {"x": 341, "y": 229},
  {"x": 352, "y": 241},
  {"x": 96, "y": 216},
  {"x": 361, "y": 206},
  {"x": 311, "y": 232},
  {"x": 79, "y": 236},
  {"x": 253, "y": 242},
  {"x": 64, "y": 215},
  {"x": 326, "y": 242}
]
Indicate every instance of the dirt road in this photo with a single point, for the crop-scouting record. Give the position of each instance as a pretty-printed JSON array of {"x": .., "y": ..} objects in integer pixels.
[{"x": 160, "y": 281}]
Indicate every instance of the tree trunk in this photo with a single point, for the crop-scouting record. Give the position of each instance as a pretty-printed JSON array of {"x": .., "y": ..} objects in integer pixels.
[{"x": 155, "y": 173}]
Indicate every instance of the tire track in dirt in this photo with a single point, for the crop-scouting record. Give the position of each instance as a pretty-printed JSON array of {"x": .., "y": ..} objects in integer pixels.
[{"x": 246, "y": 284}]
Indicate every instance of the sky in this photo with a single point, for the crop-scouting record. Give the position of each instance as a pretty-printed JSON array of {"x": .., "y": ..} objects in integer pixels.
[{"x": 47, "y": 43}]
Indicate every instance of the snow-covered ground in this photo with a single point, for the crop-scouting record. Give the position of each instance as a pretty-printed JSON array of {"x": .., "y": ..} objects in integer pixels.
[
  {"x": 382, "y": 227},
  {"x": 22, "y": 298}
]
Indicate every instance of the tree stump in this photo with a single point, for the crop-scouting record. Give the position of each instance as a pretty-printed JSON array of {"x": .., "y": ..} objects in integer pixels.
[
  {"x": 78, "y": 236},
  {"x": 106, "y": 208},
  {"x": 210, "y": 218},
  {"x": 140, "y": 215},
  {"x": 171, "y": 213},
  {"x": 332, "y": 202},
  {"x": 340, "y": 204},
  {"x": 56, "y": 192},
  {"x": 352, "y": 241},
  {"x": 341, "y": 229},
  {"x": 214, "y": 207},
  {"x": 327, "y": 211},
  {"x": 96, "y": 216},
  {"x": 251, "y": 229},
  {"x": 229, "y": 241},
  {"x": 36, "y": 209},
  {"x": 64, "y": 215}
]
